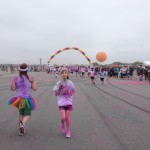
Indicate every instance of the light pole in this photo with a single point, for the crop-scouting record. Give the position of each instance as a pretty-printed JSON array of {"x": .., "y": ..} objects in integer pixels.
[{"x": 41, "y": 64}]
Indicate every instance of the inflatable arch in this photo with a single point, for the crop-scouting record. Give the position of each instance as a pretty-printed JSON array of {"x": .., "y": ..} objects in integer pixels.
[{"x": 70, "y": 48}]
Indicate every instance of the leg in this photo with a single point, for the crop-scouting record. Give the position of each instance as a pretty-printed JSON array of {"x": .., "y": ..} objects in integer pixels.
[
  {"x": 21, "y": 118},
  {"x": 68, "y": 133},
  {"x": 26, "y": 116},
  {"x": 26, "y": 119},
  {"x": 21, "y": 112},
  {"x": 94, "y": 81},
  {"x": 22, "y": 123},
  {"x": 91, "y": 81},
  {"x": 102, "y": 81},
  {"x": 63, "y": 118},
  {"x": 68, "y": 119}
]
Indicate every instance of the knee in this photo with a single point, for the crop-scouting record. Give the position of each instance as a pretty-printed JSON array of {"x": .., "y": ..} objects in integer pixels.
[{"x": 63, "y": 118}]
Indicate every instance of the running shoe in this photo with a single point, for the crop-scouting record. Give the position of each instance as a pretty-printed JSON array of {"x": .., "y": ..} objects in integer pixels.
[
  {"x": 21, "y": 129},
  {"x": 20, "y": 134},
  {"x": 62, "y": 130},
  {"x": 68, "y": 134}
]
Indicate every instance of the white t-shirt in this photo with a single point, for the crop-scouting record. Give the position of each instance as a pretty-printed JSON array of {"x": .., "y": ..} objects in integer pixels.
[{"x": 92, "y": 73}]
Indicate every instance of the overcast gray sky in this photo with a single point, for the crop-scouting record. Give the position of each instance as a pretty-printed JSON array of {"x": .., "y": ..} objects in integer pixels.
[{"x": 34, "y": 29}]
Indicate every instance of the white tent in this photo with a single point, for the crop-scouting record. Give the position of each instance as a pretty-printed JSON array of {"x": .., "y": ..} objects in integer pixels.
[{"x": 146, "y": 63}]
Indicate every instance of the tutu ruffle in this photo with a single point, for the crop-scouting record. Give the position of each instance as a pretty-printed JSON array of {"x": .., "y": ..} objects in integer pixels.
[{"x": 30, "y": 102}]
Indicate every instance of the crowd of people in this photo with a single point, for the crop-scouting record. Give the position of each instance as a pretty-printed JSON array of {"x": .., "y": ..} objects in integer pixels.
[
  {"x": 11, "y": 68},
  {"x": 120, "y": 72},
  {"x": 64, "y": 89}
]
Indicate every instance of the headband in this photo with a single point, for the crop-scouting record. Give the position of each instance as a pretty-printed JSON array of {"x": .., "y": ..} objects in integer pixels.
[
  {"x": 26, "y": 69},
  {"x": 64, "y": 69}
]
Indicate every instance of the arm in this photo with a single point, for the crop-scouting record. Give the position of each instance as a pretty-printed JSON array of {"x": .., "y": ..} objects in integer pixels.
[
  {"x": 71, "y": 89},
  {"x": 57, "y": 88},
  {"x": 13, "y": 84},
  {"x": 33, "y": 84},
  {"x": 57, "y": 92}
]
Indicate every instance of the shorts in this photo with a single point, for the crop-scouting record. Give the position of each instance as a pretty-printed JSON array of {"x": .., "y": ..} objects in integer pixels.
[
  {"x": 92, "y": 78},
  {"x": 141, "y": 79},
  {"x": 67, "y": 107},
  {"x": 115, "y": 74},
  {"x": 102, "y": 79},
  {"x": 25, "y": 111}
]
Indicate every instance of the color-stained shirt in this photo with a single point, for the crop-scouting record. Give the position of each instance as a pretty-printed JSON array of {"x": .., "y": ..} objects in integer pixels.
[
  {"x": 66, "y": 93},
  {"x": 92, "y": 73},
  {"x": 23, "y": 87},
  {"x": 101, "y": 74}
]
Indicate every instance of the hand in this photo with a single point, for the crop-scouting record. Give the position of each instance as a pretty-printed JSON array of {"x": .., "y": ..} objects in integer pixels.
[
  {"x": 71, "y": 92},
  {"x": 60, "y": 86},
  {"x": 31, "y": 79}
]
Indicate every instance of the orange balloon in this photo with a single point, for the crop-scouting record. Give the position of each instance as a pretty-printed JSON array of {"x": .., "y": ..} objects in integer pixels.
[{"x": 101, "y": 56}]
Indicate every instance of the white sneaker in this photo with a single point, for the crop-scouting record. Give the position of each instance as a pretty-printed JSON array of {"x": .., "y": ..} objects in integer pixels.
[{"x": 21, "y": 129}]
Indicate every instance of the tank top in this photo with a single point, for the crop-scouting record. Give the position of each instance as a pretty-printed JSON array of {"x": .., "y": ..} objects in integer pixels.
[{"x": 23, "y": 87}]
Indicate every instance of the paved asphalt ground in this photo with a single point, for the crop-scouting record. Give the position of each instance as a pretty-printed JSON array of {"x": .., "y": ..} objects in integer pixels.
[{"x": 115, "y": 116}]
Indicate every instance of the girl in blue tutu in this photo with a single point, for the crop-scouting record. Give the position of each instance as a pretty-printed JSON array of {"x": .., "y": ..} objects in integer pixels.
[{"x": 23, "y": 100}]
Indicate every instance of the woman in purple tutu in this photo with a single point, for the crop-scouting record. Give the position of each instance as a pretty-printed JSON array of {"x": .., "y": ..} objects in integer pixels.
[
  {"x": 23, "y": 100},
  {"x": 64, "y": 90}
]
